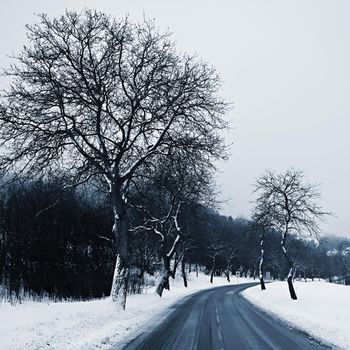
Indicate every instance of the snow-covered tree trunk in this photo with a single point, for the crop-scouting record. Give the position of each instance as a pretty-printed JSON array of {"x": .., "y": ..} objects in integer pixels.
[
  {"x": 119, "y": 284},
  {"x": 290, "y": 284},
  {"x": 166, "y": 273},
  {"x": 261, "y": 263},
  {"x": 120, "y": 235}
]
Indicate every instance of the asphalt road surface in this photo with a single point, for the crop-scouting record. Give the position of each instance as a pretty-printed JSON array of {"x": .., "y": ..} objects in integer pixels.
[{"x": 221, "y": 319}]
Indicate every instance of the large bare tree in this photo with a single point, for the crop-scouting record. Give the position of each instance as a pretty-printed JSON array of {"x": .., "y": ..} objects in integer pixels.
[
  {"x": 287, "y": 203},
  {"x": 98, "y": 97}
]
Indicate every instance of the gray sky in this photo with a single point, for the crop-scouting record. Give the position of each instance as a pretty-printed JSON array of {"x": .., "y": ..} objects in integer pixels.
[{"x": 286, "y": 67}]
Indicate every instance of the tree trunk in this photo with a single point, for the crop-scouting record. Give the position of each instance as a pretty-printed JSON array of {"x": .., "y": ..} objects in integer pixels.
[
  {"x": 290, "y": 274},
  {"x": 120, "y": 236},
  {"x": 183, "y": 272},
  {"x": 178, "y": 257},
  {"x": 212, "y": 271},
  {"x": 141, "y": 280},
  {"x": 262, "y": 284},
  {"x": 120, "y": 281},
  {"x": 164, "y": 282},
  {"x": 261, "y": 273},
  {"x": 166, "y": 273},
  {"x": 227, "y": 274},
  {"x": 290, "y": 284}
]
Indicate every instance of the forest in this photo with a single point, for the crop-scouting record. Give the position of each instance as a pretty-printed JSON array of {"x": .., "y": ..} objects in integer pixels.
[{"x": 66, "y": 251}]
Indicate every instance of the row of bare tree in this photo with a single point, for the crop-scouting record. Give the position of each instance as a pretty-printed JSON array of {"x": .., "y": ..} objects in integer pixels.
[
  {"x": 67, "y": 250},
  {"x": 108, "y": 102}
]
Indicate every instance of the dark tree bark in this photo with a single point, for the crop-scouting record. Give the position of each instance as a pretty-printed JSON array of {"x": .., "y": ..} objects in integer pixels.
[
  {"x": 183, "y": 272},
  {"x": 178, "y": 258},
  {"x": 291, "y": 269},
  {"x": 291, "y": 287},
  {"x": 212, "y": 270}
]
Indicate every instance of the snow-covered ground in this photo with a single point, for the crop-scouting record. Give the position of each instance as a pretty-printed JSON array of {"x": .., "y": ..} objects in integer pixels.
[
  {"x": 88, "y": 325},
  {"x": 322, "y": 309}
]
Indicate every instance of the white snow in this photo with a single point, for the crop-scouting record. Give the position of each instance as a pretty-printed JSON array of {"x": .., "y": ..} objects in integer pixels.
[
  {"x": 88, "y": 325},
  {"x": 322, "y": 309}
]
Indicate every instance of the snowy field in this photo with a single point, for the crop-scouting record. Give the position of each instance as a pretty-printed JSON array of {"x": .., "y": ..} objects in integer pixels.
[
  {"x": 91, "y": 324},
  {"x": 322, "y": 309}
]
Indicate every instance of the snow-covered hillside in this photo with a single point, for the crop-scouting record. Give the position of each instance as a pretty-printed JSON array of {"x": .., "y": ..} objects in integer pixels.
[
  {"x": 322, "y": 309},
  {"x": 91, "y": 324}
]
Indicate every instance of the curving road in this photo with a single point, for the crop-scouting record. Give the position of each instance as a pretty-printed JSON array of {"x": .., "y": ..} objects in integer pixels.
[{"x": 221, "y": 319}]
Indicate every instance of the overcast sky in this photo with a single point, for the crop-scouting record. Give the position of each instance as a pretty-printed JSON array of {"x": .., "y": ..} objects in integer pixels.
[{"x": 285, "y": 66}]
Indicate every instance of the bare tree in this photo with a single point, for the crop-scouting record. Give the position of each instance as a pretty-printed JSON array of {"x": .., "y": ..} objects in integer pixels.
[
  {"x": 99, "y": 97},
  {"x": 170, "y": 187},
  {"x": 169, "y": 232},
  {"x": 288, "y": 203}
]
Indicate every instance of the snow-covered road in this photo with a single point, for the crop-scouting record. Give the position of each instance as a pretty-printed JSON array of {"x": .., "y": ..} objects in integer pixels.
[
  {"x": 221, "y": 319},
  {"x": 89, "y": 325},
  {"x": 322, "y": 309}
]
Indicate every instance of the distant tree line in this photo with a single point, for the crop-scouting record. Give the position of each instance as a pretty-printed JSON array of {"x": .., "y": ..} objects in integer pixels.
[
  {"x": 58, "y": 251},
  {"x": 66, "y": 250}
]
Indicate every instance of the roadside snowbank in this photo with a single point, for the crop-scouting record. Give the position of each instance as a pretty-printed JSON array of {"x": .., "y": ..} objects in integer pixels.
[
  {"x": 322, "y": 309},
  {"x": 87, "y": 325}
]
